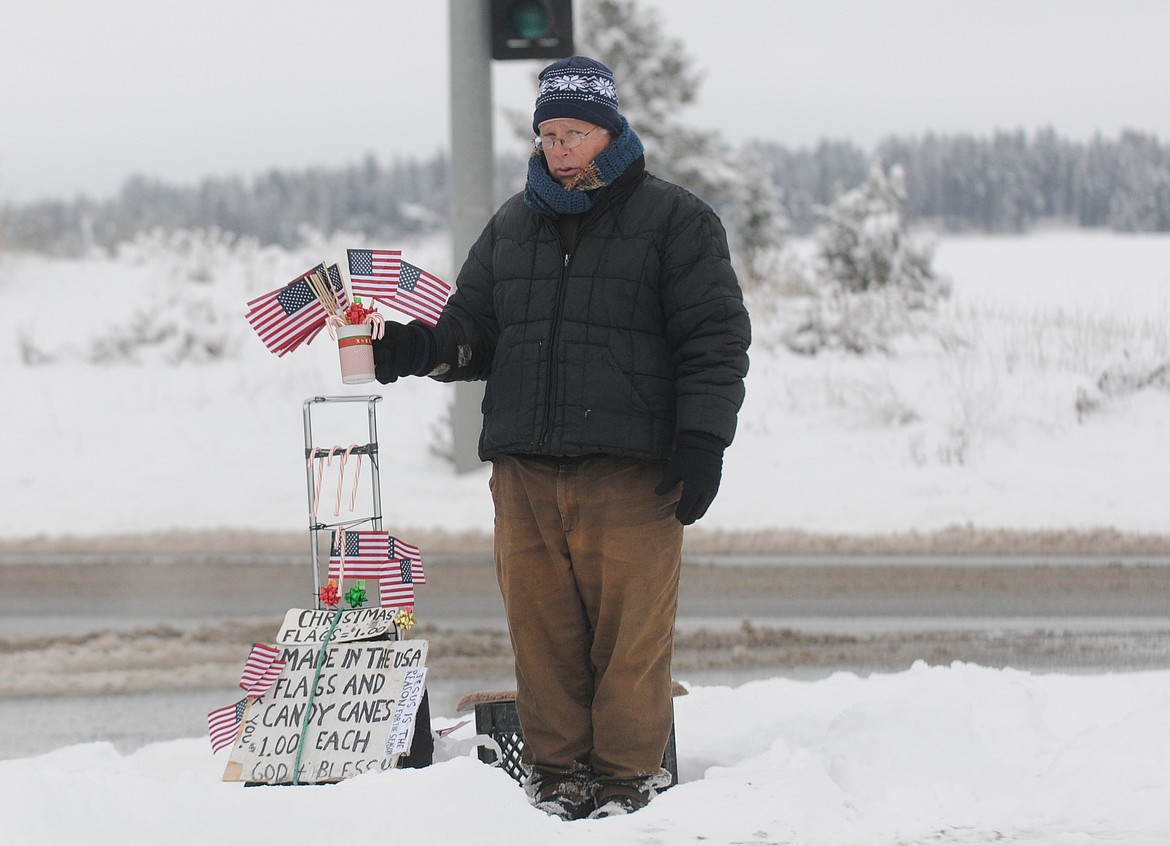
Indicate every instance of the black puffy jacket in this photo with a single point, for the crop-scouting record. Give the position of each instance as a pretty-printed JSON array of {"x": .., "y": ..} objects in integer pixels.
[{"x": 639, "y": 333}]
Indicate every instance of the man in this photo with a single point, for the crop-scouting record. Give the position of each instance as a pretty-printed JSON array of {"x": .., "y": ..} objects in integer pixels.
[{"x": 601, "y": 307}]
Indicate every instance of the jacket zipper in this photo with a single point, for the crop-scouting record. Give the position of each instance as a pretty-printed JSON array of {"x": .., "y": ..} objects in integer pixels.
[{"x": 550, "y": 390}]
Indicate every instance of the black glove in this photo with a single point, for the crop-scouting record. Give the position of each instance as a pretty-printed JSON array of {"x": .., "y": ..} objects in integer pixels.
[
  {"x": 697, "y": 463},
  {"x": 404, "y": 350}
]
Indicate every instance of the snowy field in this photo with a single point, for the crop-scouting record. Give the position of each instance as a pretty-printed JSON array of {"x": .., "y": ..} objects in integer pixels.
[
  {"x": 998, "y": 419},
  {"x": 995, "y": 419}
]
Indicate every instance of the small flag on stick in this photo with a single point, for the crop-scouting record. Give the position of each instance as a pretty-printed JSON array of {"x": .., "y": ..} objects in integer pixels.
[
  {"x": 401, "y": 549},
  {"x": 368, "y": 552},
  {"x": 294, "y": 314},
  {"x": 261, "y": 670},
  {"x": 383, "y": 275},
  {"x": 223, "y": 724},
  {"x": 374, "y": 273},
  {"x": 396, "y": 585},
  {"x": 420, "y": 294}
]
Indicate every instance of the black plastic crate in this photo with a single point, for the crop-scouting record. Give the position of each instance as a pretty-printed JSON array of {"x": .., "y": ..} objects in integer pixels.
[{"x": 498, "y": 720}]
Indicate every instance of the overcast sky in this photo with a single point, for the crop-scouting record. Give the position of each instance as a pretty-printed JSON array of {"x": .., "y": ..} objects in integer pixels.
[{"x": 183, "y": 89}]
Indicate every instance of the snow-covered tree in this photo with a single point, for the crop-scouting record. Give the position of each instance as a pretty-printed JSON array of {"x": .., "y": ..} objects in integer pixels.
[
  {"x": 758, "y": 223},
  {"x": 1141, "y": 202},
  {"x": 873, "y": 277},
  {"x": 865, "y": 244},
  {"x": 656, "y": 81}
]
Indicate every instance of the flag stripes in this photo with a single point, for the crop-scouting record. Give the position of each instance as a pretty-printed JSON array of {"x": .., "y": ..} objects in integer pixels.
[
  {"x": 374, "y": 273},
  {"x": 420, "y": 294},
  {"x": 375, "y": 554},
  {"x": 293, "y": 315},
  {"x": 261, "y": 670},
  {"x": 223, "y": 724}
]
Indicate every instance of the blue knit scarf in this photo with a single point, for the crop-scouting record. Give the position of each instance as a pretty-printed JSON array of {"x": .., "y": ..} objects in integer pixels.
[{"x": 548, "y": 197}]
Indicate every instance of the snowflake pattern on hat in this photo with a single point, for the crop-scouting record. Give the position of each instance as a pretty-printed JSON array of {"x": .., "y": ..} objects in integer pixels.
[
  {"x": 580, "y": 88},
  {"x": 576, "y": 82}
]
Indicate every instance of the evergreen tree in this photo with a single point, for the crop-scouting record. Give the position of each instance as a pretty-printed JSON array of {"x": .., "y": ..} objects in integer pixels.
[
  {"x": 1094, "y": 181},
  {"x": 758, "y": 223},
  {"x": 1141, "y": 202},
  {"x": 656, "y": 81},
  {"x": 812, "y": 178},
  {"x": 1052, "y": 161},
  {"x": 873, "y": 279},
  {"x": 865, "y": 243},
  {"x": 1006, "y": 182}
]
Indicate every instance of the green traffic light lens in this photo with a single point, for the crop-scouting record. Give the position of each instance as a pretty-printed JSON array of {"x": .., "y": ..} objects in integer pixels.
[{"x": 529, "y": 18}]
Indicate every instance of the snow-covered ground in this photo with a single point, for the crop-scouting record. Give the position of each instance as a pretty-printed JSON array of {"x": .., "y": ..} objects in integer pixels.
[
  {"x": 999, "y": 419},
  {"x": 932, "y": 755}
]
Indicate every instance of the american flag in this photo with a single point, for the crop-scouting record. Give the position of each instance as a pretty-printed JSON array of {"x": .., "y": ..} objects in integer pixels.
[
  {"x": 288, "y": 316},
  {"x": 367, "y": 553},
  {"x": 338, "y": 285},
  {"x": 376, "y": 554},
  {"x": 261, "y": 670},
  {"x": 397, "y": 585},
  {"x": 374, "y": 273},
  {"x": 402, "y": 549},
  {"x": 420, "y": 294},
  {"x": 223, "y": 724}
]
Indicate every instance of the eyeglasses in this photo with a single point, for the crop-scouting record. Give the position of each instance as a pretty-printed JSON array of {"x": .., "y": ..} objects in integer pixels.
[{"x": 570, "y": 141}]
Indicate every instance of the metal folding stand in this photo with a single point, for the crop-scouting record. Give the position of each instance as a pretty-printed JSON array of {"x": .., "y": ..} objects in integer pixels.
[
  {"x": 422, "y": 748},
  {"x": 312, "y": 453}
]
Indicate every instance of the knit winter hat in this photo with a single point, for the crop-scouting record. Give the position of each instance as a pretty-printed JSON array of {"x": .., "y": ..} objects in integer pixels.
[{"x": 581, "y": 88}]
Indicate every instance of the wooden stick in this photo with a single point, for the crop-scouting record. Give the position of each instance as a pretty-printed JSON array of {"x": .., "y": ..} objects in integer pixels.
[
  {"x": 345, "y": 283},
  {"x": 323, "y": 291}
]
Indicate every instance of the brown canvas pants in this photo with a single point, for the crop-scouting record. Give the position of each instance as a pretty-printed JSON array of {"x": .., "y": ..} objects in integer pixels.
[{"x": 587, "y": 557}]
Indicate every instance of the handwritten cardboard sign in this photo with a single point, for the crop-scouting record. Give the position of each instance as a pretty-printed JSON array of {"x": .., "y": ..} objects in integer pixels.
[
  {"x": 402, "y": 727},
  {"x": 308, "y": 626},
  {"x": 360, "y": 717}
]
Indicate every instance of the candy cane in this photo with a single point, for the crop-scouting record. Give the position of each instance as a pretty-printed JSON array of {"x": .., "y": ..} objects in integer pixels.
[
  {"x": 356, "y": 476},
  {"x": 321, "y": 475},
  {"x": 334, "y": 322},
  {"x": 378, "y": 322},
  {"x": 340, "y": 556},
  {"x": 341, "y": 477}
]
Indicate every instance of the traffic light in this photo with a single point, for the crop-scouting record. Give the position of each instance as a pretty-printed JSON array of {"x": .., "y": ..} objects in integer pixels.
[{"x": 532, "y": 29}]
